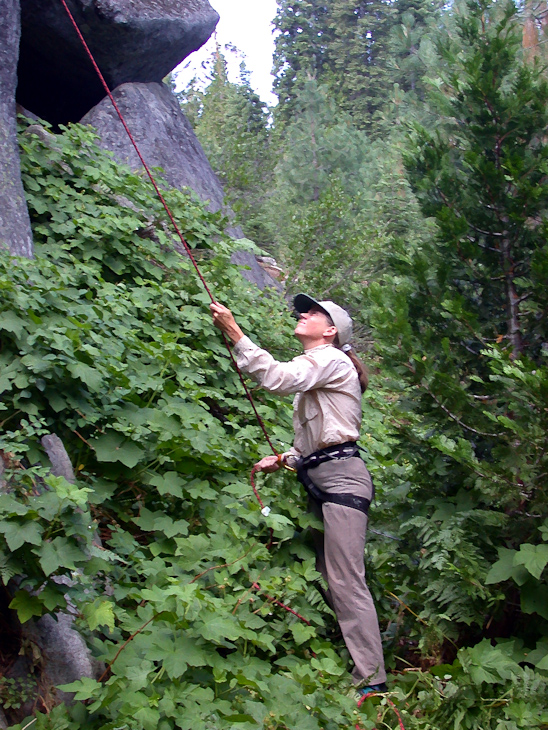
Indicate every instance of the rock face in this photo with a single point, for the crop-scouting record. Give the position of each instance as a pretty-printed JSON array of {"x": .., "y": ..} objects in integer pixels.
[
  {"x": 131, "y": 40},
  {"x": 15, "y": 232},
  {"x": 64, "y": 653},
  {"x": 163, "y": 134},
  {"x": 57, "y": 454},
  {"x": 166, "y": 139},
  {"x": 254, "y": 272},
  {"x": 60, "y": 656}
]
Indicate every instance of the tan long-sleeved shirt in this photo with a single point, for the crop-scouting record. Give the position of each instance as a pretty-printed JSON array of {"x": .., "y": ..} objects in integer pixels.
[{"x": 327, "y": 406}]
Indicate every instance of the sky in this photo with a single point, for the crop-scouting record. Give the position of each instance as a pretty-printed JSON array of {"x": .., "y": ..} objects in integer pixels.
[{"x": 246, "y": 24}]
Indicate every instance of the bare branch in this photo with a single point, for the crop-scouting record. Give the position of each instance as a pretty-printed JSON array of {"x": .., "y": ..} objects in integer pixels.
[{"x": 455, "y": 418}]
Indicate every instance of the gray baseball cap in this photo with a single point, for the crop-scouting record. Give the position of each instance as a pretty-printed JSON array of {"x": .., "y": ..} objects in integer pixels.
[{"x": 341, "y": 318}]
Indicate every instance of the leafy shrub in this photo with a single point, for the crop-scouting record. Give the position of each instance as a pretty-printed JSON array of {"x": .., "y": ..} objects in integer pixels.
[
  {"x": 107, "y": 342},
  {"x": 485, "y": 688},
  {"x": 14, "y": 692}
]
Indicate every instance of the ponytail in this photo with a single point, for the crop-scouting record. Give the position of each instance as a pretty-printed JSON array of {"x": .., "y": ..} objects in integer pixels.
[
  {"x": 348, "y": 350},
  {"x": 363, "y": 375},
  {"x": 360, "y": 369}
]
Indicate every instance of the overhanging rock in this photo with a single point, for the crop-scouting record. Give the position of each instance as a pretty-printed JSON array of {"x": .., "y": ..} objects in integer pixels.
[
  {"x": 166, "y": 139},
  {"x": 132, "y": 40},
  {"x": 164, "y": 136}
]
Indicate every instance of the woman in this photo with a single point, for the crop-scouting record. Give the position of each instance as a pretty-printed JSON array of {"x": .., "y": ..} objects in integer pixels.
[{"x": 328, "y": 380}]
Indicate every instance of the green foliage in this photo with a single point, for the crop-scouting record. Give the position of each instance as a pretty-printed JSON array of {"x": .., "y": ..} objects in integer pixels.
[
  {"x": 486, "y": 688},
  {"x": 231, "y": 123},
  {"x": 482, "y": 178},
  {"x": 358, "y": 56},
  {"x": 342, "y": 44},
  {"x": 300, "y": 50},
  {"x": 368, "y": 53},
  {"x": 15, "y": 692},
  {"x": 459, "y": 320},
  {"x": 319, "y": 212},
  {"x": 106, "y": 340}
]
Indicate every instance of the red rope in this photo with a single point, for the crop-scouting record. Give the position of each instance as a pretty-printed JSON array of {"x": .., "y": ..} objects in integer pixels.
[
  {"x": 279, "y": 603},
  {"x": 252, "y": 480},
  {"x": 169, "y": 213},
  {"x": 260, "y": 501},
  {"x": 393, "y": 706},
  {"x": 202, "y": 279},
  {"x": 389, "y": 701},
  {"x": 249, "y": 396},
  {"x": 152, "y": 180}
]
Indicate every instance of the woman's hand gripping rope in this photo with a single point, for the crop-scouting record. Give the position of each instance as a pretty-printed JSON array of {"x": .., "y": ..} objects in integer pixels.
[
  {"x": 268, "y": 465},
  {"x": 224, "y": 320}
]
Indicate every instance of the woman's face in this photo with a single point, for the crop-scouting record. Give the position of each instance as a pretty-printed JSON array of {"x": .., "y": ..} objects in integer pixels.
[{"x": 314, "y": 325}]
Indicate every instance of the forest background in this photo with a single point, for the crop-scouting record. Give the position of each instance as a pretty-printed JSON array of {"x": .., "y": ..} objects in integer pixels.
[{"x": 403, "y": 173}]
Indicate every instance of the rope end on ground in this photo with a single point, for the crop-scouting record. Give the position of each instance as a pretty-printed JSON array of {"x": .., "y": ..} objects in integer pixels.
[{"x": 388, "y": 700}]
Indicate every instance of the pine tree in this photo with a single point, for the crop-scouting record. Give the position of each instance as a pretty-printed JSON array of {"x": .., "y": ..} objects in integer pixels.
[
  {"x": 410, "y": 42},
  {"x": 320, "y": 220},
  {"x": 301, "y": 46},
  {"x": 483, "y": 179},
  {"x": 462, "y": 324},
  {"x": 358, "y": 48},
  {"x": 358, "y": 56},
  {"x": 232, "y": 124}
]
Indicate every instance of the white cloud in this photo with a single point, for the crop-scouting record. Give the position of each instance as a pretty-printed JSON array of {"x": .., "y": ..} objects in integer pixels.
[{"x": 246, "y": 24}]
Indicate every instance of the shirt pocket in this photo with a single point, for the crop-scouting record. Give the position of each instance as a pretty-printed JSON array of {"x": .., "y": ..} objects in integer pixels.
[{"x": 307, "y": 409}]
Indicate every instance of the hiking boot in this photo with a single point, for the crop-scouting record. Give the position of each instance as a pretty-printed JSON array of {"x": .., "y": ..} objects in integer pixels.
[{"x": 372, "y": 689}]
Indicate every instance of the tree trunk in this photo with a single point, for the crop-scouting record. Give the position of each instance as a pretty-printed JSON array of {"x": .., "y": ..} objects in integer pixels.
[{"x": 512, "y": 298}]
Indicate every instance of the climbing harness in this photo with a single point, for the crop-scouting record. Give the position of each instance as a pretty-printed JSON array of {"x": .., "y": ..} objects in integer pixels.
[{"x": 332, "y": 453}]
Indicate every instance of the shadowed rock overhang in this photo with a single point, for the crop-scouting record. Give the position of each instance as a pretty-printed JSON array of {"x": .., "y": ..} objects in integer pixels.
[{"x": 132, "y": 40}]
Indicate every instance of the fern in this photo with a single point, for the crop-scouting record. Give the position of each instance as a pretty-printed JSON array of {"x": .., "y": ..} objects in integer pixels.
[{"x": 7, "y": 569}]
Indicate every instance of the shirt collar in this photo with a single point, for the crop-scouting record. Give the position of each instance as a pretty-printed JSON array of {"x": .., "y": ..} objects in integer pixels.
[{"x": 318, "y": 347}]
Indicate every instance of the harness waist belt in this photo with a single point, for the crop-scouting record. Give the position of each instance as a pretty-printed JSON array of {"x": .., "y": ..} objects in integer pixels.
[{"x": 332, "y": 453}]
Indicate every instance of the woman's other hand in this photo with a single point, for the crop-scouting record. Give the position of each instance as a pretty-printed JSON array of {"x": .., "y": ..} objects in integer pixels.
[
  {"x": 269, "y": 464},
  {"x": 224, "y": 320}
]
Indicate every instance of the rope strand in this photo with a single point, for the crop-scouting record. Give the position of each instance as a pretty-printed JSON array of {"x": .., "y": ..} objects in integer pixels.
[
  {"x": 389, "y": 702},
  {"x": 170, "y": 215}
]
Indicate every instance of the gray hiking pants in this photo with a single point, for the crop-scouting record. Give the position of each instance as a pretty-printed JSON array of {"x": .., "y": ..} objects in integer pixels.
[{"x": 340, "y": 559}]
